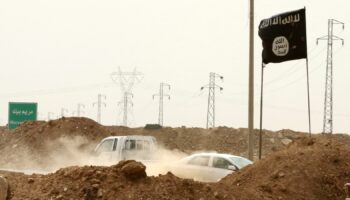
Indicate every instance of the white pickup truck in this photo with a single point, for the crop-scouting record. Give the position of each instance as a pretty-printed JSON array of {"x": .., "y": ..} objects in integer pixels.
[{"x": 131, "y": 147}]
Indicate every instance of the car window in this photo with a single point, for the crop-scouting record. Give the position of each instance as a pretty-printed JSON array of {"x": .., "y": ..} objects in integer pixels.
[
  {"x": 130, "y": 144},
  {"x": 106, "y": 146},
  {"x": 146, "y": 145},
  {"x": 221, "y": 163},
  {"x": 240, "y": 162},
  {"x": 199, "y": 160},
  {"x": 137, "y": 145}
]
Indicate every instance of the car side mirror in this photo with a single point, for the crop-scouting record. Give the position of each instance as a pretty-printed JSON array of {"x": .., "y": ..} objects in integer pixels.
[{"x": 232, "y": 167}]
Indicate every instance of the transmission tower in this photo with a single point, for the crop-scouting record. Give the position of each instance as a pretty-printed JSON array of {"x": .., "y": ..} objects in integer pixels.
[
  {"x": 49, "y": 116},
  {"x": 328, "y": 98},
  {"x": 126, "y": 104},
  {"x": 63, "y": 111},
  {"x": 79, "y": 110},
  {"x": 99, "y": 104},
  {"x": 211, "y": 98},
  {"x": 161, "y": 97},
  {"x": 126, "y": 81}
]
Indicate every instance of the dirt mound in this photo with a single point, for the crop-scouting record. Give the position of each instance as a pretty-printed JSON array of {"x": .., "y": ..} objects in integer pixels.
[
  {"x": 73, "y": 126},
  {"x": 34, "y": 144},
  {"x": 221, "y": 139},
  {"x": 91, "y": 182},
  {"x": 310, "y": 168},
  {"x": 58, "y": 143},
  {"x": 3, "y": 188},
  {"x": 294, "y": 167}
]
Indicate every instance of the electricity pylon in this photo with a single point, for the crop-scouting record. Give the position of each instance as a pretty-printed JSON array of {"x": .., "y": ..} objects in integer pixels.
[
  {"x": 49, "y": 115},
  {"x": 211, "y": 98},
  {"x": 79, "y": 111},
  {"x": 99, "y": 104},
  {"x": 126, "y": 103},
  {"x": 63, "y": 111},
  {"x": 328, "y": 97},
  {"x": 126, "y": 81},
  {"x": 161, "y": 103}
]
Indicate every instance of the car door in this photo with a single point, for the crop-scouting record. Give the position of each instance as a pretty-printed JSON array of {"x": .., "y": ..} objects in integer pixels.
[
  {"x": 198, "y": 167},
  {"x": 221, "y": 167},
  {"x": 105, "y": 150}
]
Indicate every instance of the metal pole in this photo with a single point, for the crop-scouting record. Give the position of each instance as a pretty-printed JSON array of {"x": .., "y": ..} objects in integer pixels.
[
  {"x": 308, "y": 95},
  {"x": 307, "y": 77},
  {"x": 261, "y": 109},
  {"x": 251, "y": 82}
]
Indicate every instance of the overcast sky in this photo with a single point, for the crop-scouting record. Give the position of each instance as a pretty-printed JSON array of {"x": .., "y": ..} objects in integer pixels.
[{"x": 61, "y": 53}]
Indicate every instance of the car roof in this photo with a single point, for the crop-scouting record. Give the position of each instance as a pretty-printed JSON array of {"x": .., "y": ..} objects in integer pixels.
[
  {"x": 128, "y": 136},
  {"x": 223, "y": 155}
]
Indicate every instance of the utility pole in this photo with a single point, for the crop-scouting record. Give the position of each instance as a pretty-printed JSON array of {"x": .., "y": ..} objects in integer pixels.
[
  {"x": 251, "y": 82},
  {"x": 63, "y": 111},
  {"x": 126, "y": 102},
  {"x": 99, "y": 105},
  {"x": 211, "y": 98},
  {"x": 161, "y": 96},
  {"x": 328, "y": 97},
  {"x": 79, "y": 111},
  {"x": 126, "y": 81}
]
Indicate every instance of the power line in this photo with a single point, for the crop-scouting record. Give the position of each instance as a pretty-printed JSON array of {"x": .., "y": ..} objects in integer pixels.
[
  {"x": 161, "y": 95},
  {"x": 73, "y": 89},
  {"x": 299, "y": 78},
  {"x": 293, "y": 69},
  {"x": 99, "y": 104},
  {"x": 211, "y": 98},
  {"x": 328, "y": 98}
]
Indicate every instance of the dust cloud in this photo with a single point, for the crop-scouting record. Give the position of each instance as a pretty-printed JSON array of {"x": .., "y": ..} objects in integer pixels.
[{"x": 78, "y": 151}]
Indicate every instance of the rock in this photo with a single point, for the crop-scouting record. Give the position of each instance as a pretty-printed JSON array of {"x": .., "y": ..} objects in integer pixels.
[
  {"x": 30, "y": 180},
  {"x": 216, "y": 194},
  {"x": 3, "y": 188},
  {"x": 134, "y": 170},
  {"x": 286, "y": 141},
  {"x": 280, "y": 135},
  {"x": 100, "y": 193},
  {"x": 272, "y": 140},
  {"x": 281, "y": 174},
  {"x": 41, "y": 129},
  {"x": 95, "y": 181}
]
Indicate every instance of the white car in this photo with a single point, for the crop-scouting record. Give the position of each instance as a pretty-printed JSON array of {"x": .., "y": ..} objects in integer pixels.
[{"x": 208, "y": 167}]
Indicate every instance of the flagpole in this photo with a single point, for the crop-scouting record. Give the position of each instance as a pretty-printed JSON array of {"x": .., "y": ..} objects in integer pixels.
[
  {"x": 261, "y": 108},
  {"x": 307, "y": 77},
  {"x": 251, "y": 83}
]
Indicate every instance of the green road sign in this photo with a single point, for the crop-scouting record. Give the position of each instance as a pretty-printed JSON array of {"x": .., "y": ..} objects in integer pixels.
[{"x": 20, "y": 112}]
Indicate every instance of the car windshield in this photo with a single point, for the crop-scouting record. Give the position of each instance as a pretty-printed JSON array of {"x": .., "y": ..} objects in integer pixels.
[
  {"x": 106, "y": 146},
  {"x": 240, "y": 162}
]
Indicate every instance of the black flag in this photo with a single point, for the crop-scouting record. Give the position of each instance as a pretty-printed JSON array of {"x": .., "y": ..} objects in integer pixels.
[{"x": 283, "y": 37}]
